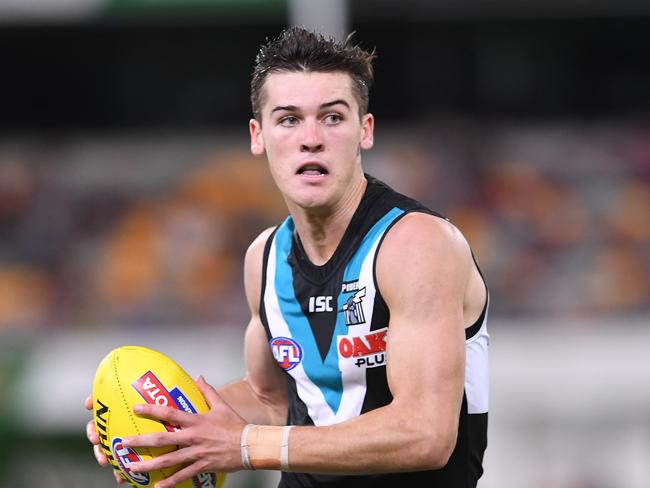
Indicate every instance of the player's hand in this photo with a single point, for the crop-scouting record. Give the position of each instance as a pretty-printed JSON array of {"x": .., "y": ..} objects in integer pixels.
[
  {"x": 206, "y": 442},
  {"x": 93, "y": 437}
]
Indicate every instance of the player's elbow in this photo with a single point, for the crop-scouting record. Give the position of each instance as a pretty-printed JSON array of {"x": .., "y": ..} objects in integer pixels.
[
  {"x": 437, "y": 449},
  {"x": 438, "y": 454},
  {"x": 429, "y": 439}
]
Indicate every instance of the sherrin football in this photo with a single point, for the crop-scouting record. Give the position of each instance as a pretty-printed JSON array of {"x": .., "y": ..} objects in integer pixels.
[{"x": 130, "y": 375}]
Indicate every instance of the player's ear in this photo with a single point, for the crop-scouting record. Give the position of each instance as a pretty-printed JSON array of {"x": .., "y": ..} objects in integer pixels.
[
  {"x": 367, "y": 131},
  {"x": 257, "y": 140}
]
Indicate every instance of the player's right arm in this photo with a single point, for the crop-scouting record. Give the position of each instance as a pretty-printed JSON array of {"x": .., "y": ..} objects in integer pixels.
[{"x": 261, "y": 397}]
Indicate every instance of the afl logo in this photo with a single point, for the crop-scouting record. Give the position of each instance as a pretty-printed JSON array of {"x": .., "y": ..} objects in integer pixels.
[
  {"x": 286, "y": 352},
  {"x": 125, "y": 456}
]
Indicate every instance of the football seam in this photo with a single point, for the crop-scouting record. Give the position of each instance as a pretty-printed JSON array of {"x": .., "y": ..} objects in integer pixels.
[
  {"x": 128, "y": 410},
  {"x": 164, "y": 471},
  {"x": 184, "y": 380},
  {"x": 173, "y": 365}
]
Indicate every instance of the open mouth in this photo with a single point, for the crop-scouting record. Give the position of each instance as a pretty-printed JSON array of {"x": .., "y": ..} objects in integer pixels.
[{"x": 312, "y": 170}]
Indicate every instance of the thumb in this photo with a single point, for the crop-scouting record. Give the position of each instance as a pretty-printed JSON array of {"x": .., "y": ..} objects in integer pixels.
[{"x": 209, "y": 393}]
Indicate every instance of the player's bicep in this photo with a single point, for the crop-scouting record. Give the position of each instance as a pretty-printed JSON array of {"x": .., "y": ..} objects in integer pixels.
[
  {"x": 422, "y": 274},
  {"x": 263, "y": 375},
  {"x": 264, "y": 387}
]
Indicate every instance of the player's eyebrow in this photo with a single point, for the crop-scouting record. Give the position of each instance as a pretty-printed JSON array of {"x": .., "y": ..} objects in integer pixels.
[
  {"x": 339, "y": 101},
  {"x": 293, "y": 108},
  {"x": 287, "y": 108}
]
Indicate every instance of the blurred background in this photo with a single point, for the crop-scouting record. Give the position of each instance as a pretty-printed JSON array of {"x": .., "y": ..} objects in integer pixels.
[{"x": 128, "y": 197}]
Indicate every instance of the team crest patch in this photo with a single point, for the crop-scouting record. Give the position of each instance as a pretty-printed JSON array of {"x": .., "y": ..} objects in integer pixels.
[
  {"x": 353, "y": 307},
  {"x": 287, "y": 352}
]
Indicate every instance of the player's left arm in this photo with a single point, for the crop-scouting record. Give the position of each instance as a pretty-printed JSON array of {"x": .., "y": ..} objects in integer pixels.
[{"x": 423, "y": 269}]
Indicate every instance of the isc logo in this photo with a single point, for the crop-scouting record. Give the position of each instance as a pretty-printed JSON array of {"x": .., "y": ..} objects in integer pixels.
[
  {"x": 286, "y": 352},
  {"x": 125, "y": 456},
  {"x": 320, "y": 304}
]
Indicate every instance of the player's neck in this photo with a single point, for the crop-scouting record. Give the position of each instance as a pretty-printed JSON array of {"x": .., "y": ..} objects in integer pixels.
[{"x": 321, "y": 230}]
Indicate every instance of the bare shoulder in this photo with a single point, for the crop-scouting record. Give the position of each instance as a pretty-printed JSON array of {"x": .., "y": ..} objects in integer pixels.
[
  {"x": 255, "y": 251},
  {"x": 426, "y": 234},
  {"x": 253, "y": 269},
  {"x": 425, "y": 253}
]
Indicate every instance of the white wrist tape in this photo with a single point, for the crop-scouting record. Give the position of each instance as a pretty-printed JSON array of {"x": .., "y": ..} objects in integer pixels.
[
  {"x": 245, "y": 458},
  {"x": 265, "y": 447},
  {"x": 284, "y": 448}
]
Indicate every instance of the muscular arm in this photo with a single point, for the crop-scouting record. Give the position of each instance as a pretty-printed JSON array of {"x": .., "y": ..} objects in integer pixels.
[
  {"x": 260, "y": 398},
  {"x": 422, "y": 270}
]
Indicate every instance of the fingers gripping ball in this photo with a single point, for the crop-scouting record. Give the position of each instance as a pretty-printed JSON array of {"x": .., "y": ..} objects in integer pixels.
[{"x": 130, "y": 375}]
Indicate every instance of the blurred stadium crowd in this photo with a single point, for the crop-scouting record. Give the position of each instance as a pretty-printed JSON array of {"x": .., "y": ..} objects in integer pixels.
[{"x": 151, "y": 230}]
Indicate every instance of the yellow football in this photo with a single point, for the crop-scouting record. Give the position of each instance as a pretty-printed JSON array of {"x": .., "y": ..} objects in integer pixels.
[{"x": 130, "y": 375}]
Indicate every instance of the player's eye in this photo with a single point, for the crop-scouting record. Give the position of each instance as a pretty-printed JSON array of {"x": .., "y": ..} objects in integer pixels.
[
  {"x": 288, "y": 121},
  {"x": 332, "y": 119}
]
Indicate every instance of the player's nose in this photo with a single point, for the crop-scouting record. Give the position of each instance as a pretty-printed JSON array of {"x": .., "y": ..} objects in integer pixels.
[{"x": 311, "y": 136}]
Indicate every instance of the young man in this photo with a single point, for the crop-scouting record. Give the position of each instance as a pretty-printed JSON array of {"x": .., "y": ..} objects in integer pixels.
[{"x": 367, "y": 348}]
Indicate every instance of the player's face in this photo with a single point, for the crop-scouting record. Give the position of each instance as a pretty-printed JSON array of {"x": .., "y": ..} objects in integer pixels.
[{"x": 312, "y": 134}]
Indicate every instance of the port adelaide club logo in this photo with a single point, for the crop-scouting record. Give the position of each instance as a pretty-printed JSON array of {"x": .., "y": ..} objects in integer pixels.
[
  {"x": 353, "y": 306},
  {"x": 287, "y": 352}
]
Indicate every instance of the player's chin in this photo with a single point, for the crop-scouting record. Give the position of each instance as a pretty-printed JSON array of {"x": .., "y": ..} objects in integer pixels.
[{"x": 314, "y": 204}]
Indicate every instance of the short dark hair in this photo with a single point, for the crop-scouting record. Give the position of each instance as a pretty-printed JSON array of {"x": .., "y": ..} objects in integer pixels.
[{"x": 298, "y": 49}]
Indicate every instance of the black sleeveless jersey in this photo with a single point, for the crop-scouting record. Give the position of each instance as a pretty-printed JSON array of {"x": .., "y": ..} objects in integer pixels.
[{"x": 327, "y": 329}]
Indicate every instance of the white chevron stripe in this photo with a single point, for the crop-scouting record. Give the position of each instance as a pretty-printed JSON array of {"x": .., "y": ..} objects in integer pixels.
[
  {"x": 317, "y": 407},
  {"x": 353, "y": 377}
]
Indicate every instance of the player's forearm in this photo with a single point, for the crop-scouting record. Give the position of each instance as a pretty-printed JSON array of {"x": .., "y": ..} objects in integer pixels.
[
  {"x": 253, "y": 406},
  {"x": 384, "y": 440},
  {"x": 388, "y": 439}
]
